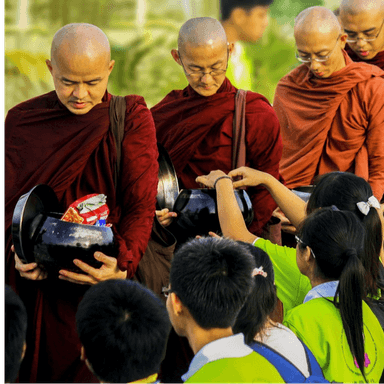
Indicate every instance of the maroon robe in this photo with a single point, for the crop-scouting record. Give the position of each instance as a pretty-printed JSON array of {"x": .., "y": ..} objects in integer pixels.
[
  {"x": 75, "y": 154},
  {"x": 197, "y": 132},
  {"x": 378, "y": 60}
]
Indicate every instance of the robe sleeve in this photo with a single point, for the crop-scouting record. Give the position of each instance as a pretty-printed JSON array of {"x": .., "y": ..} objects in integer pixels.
[
  {"x": 374, "y": 102},
  {"x": 138, "y": 186},
  {"x": 264, "y": 150}
]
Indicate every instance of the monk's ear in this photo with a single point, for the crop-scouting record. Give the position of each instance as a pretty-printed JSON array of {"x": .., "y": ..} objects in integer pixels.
[
  {"x": 111, "y": 65},
  {"x": 231, "y": 47},
  {"x": 343, "y": 40},
  {"x": 175, "y": 55},
  {"x": 49, "y": 65}
]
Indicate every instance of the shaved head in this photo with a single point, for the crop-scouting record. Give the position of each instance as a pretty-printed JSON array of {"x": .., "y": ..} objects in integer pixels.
[
  {"x": 201, "y": 31},
  {"x": 317, "y": 20},
  {"x": 354, "y": 7},
  {"x": 80, "y": 66},
  {"x": 81, "y": 40}
]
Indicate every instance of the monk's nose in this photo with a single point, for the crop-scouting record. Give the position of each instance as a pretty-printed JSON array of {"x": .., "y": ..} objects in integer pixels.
[
  {"x": 315, "y": 65},
  {"x": 360, "y": 43},
  {"x": 80, "y": 91}
]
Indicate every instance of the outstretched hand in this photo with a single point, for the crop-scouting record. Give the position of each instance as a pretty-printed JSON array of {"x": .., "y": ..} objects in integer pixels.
[
  {"x": 109, "y": 270},
  {"x": 209, "y": 180},
  {"x": 247, "y": 177}
]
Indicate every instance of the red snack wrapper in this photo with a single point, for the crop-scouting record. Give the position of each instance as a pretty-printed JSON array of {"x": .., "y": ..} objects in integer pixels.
[{"x": 89, "y": 208}]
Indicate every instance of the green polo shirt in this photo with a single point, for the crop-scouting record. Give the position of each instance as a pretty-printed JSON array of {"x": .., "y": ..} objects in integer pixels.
[
  {"x": 318, "y": 324},
  {"x": 292, "y": 286}
]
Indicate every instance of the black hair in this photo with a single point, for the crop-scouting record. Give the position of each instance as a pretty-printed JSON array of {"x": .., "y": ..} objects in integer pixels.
[
  {"x": 336, "y": 239},
  {"x": 262, "y": 300},
  {"x": 345, "y": 190},
  {"x": 124, "y": 329},
  {"x": 15, "y": 333},
  {"x": 227, "y": 6},
  {"x": 212, "y": 278}
]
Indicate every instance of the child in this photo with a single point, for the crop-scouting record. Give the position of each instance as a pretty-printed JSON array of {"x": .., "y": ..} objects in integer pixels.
[
  {"x": 15, "y": 334},
  {"x": 209, "y": 282},
  {"x": 123, "y": 328}
]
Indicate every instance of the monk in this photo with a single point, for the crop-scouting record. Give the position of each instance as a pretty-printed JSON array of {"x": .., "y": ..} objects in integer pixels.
[
  {"x": 331, "y": 110},
  {"x": 63, "y": 139},
  {"x": 195, "y": 124},
  {"x": 243, "y": 21},
  {"x": 363, "y": 21}
]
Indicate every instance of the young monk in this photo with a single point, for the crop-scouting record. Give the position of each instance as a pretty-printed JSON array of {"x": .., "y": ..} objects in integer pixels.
[
  {"x": 195, "y": 124},
  {"x": 63, "y": 139},
  {"x": 362, "y": 21},
  {"x": 243, "y": 21},
  {"x": 330, "y": 109}
]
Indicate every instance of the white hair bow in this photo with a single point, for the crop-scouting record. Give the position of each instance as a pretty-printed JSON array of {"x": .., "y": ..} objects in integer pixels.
[
  {"x": 259, "y": 271},
  {"x": 364, "y": 207}
]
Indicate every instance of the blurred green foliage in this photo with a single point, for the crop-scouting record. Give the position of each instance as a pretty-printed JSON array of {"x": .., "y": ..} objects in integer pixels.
[{"x": 140, "y": 45}]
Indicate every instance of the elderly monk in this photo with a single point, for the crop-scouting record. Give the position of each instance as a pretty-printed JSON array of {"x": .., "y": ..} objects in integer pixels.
[
  {"x": 195, "y": 124},
  {"x": 63, "y": 139},
  {"x": 331, "y": 110},
  {"x": 363, "y": 21}
]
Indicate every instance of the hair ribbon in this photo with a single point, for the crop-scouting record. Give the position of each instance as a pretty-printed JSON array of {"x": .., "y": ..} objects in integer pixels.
[{"x": 364, "y": 207}]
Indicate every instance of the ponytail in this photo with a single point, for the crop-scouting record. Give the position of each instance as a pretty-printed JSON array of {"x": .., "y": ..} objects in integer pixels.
[
  {"x": 262, "y": 300},
  {"x": 348, "y": 299},
  {"x": 336, "y": 238}
]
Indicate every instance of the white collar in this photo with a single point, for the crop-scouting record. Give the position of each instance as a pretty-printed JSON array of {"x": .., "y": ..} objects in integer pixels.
[
  {"x": 226, "y": 347},
  {"x": 327, "y": 289}
]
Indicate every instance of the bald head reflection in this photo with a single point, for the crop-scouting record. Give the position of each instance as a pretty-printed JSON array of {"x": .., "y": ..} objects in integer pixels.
[
  {"x": 80, "y": 40},
  {"x": 355, "y": 7},
  {"x": 201, "y": 31},
  {"x": 318, "y": 20}
]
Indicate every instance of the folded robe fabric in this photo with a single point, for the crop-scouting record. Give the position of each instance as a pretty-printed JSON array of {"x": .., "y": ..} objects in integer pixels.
[
  {"x": 197, "y": 133},
  {"x": 332, "y": 124}
]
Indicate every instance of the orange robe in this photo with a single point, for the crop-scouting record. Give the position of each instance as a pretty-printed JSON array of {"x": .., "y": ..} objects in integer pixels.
[{"x": 332, "y": 124}]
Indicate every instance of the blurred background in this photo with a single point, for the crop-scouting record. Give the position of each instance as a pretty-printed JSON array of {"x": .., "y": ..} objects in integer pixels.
[{"x": 142, "y": 34}]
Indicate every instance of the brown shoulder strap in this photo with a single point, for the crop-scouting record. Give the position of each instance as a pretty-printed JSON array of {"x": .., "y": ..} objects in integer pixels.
[
  {"x": 238, "y": 134},
  {"x": 117, "y": 108}
]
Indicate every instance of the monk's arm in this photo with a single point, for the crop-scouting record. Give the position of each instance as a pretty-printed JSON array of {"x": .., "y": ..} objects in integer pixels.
[
  {"x": 292, "y": 206},
  {"x": 375, "y": 137},
  {"x": 264, "y": 149},
  {"x": 138, "y": 186}
]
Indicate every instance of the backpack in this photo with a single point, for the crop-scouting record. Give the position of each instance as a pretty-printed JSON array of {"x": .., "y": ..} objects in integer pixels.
[{"x": 287, "y": 370}]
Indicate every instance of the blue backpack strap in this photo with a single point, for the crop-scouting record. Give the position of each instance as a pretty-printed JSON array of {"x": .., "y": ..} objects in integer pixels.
[
  {"x": 315, "y": 369},
  {"x": 287, "y": 370}
]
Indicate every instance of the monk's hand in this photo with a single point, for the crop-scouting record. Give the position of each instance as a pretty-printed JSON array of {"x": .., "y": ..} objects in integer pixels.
[
  {"x": 29, "y": 271},
  {"x": 286, "y": 225},
  {"x": 247, "y": 177},
  {"x": 211, "y": 234},
  {"x": 109, "y": 270},
  {"x": 165, "y": 217},
  {"x": 209, "y": 180}
]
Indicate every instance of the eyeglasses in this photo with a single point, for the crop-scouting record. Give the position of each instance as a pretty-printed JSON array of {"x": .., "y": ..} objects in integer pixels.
[
  {"x": 298, "y": 240},
  {"x": 318, "y": 60},
  {"x": 166, "y": 291},
  {"x": 366, "y": 39},
  {"x": 200, "y": 74}
]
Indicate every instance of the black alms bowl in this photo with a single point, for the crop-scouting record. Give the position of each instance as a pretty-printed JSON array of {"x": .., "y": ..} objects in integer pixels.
[
  {"x": 40, "y": 236},
  {"x": 197, "y": 212}
]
